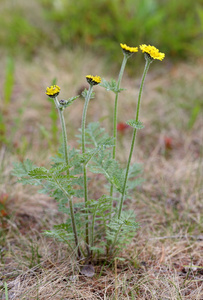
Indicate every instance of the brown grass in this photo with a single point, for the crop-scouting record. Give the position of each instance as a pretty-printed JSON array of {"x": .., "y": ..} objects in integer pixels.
[{"x": 164, "y": 261}]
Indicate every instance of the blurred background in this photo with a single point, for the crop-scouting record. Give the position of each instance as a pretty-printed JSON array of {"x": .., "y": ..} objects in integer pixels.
[
  {"x": 176, "y": 27},
  {"x": 60, "y": 41}
]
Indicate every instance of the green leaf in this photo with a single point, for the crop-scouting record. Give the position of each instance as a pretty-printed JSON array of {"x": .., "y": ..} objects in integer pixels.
[
  {"x": 110, "y": 168},
  {"x": 111, "y": 86},
  {"x": 85, "y": 92},
  {"x": 40, "y": 173},
  {"x": 134, "y": 171},
  {"x": 97, "y": 170},
  {"x": 132, "y": 184},
  {"x": 60, "y": 234},
  {"x": 96, "y": 136},
  {"x": 22, "y": 169},
  {"x": 86, "y": 157},
  {"x": 135, "y": 124},
  {"x": 98, "y": 249},
  {"x": 75, "y": 160},
  {"x": 121, "y": 231},
  {"x": 101, "y": 206}
]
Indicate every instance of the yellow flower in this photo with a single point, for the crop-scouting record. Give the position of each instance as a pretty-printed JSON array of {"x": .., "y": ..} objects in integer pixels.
[
  {"x": 152, "y": 51},
  {"x": 53, "y": 91},
  {"x": 128, "y": 50},
  {"x": 93, "y": 80}
]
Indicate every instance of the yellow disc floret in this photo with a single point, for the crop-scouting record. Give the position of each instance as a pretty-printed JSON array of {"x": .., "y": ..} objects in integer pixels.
[
  {"x": 152, "y": 51},
  {"x": 93, "y": 80},
  {"x": 128, "y": 50},
  {"x": 53, "y": 91}
]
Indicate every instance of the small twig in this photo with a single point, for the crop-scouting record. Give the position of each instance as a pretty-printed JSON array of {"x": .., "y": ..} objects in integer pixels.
[
  {"x": 162, "y": 254},
  {"x": 195, "y": 237},
  {"x": 116, "y": 280}
]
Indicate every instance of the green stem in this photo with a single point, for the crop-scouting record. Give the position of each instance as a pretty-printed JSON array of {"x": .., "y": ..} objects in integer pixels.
[
  {"x": 92, "y": 231},
  {"x": 72, "y": 217},
  {"x": 115, "y": 238},
  {"x": 84, "y": 165},
  {"x": 6, "y": 290},
  {"x": 87, "y": 99},
  {"x": 148, "y": 61},
  {"x": 125, "y": 58},
  {"x": 65, "y": 149},
  {"x": 64, "y": 134}
]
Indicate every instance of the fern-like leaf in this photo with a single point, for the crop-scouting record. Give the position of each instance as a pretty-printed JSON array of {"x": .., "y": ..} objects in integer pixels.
[
  {"x": 133, "y": 180},
  {"x": 85, "y": 92},
  {"x": 121, "y": 231},
  {"x": 110, "y": 168},
  {"x": 111, "y": 86},
  {"x": 135, "y": 124},
  {"x": 22, "y": 169},
  {"x": 96, "y": 136}
]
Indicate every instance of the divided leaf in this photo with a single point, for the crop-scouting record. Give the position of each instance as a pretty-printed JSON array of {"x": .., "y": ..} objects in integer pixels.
[
  {"x": 22, "y": 169},
  {"x": 134, "y": 181},
  {"x": 135, "y": 124},
  {"x": 85, "y": 92},
  {"x": 121, "y": 231},
  {"x": 100, "y": 207},
  {"x": 110, "y": 168},
  {"x": 96, "y": 136},
  {"x": 111, "y": 86},
  {"x": 39, "y": 173}
]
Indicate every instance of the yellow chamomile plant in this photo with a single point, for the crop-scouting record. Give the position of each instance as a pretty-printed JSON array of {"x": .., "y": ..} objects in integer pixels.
[{"x": 100, "y": 226}]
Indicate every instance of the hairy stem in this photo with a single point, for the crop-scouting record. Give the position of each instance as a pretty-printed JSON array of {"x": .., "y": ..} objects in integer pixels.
[
  {"x": 64, "y": 134},
  {"x": 72, "y": 217},
  {"x": 66, "y": 158},
  {"x": 85, "y": 166},
  {"x": 92, "y": 230},
  {"x": 148, "y": 61},
  {"x": 125, "y": 58},
  {"x": 115, "y": 238}
]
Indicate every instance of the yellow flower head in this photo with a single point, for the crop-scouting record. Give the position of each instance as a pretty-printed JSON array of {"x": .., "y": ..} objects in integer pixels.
[
  {"x": 93, "y": 80},
  {"x": 128, "y": 50},
  {"x": 53, "y": 91},
  {"x": 152, "y": 51}
]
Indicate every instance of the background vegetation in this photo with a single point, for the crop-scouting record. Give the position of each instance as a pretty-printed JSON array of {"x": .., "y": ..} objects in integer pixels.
[{"x": 176, "y": 27}]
